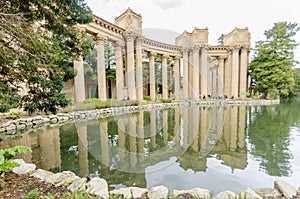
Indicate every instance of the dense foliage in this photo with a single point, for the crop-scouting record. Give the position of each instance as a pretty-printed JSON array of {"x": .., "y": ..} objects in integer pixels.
[
  {"x": 39, "y": 42},
  {"x": 271, "y": 67}
]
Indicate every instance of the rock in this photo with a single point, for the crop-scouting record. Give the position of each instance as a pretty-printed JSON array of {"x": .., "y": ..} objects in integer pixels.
[
  {"x": 41, "y": 174},
  {"x": 11, "y": 127},
  {"x": 97, "y": 186},
  {"x": 63, "y": 178},
  {"x": 250, "y": 194},
  {"x": 196, "y": 192},
  {"x": 21, "y": 127},
  {"x": 285, "y": 188},
  {"x": 77, "y": 185},
  {"x": 2, "y": 130},
  {"x": 23, "y": 168},
  {"x": 6, "y": 124},
  {"x": 267, "y": 192},
  {"x": 54, "y": 121},
  {"x": 225, "y": 195},
  {"x": 158, "y": 192},
  {"x": 130, "y": 192}
]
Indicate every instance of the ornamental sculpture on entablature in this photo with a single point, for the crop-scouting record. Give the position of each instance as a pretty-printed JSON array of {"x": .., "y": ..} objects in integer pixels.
[
  {"x": 237, "y": 37},
  {"x": 130, "y": 20}
]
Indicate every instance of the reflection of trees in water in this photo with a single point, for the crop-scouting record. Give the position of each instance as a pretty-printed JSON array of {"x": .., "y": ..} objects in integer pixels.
[{"x": 269, "y": 135}]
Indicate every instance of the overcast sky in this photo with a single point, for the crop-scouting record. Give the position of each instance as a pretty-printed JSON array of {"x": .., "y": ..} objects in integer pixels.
[{"x": 219, "y": 16}]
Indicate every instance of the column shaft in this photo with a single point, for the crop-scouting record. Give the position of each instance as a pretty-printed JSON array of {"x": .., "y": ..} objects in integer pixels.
[
  {"x": 244, "y": 71},
  {"x": 119, "y": 72},
  {"x": 203, "y": 70},
  {"x": 228, "y": 69},
  {"x": 130, "y": 67},
  {"x": 139, "y": 70},
  {"x": 152, "y": 76},
  {"x": 79, "y": 80},
  {"x": 220, "y": 91},
  {"x": 195, "y": 73},
  {"x": 185, "y": 74},
  {"x": 101, "y": 68},
  {"x": 235, "y": 73},
  {"x": 176, "y": 77},
  {"x": 165, "y": 89}
]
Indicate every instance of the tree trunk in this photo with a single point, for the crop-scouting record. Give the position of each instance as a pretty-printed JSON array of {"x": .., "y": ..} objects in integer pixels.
[{"x": 264, "y": 94}]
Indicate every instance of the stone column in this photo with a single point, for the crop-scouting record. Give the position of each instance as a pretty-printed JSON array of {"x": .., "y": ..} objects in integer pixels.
[
  {"x": 185, "y": 73},
  {"x": 191, "y": 73},
  {"x": 101, "y": 67},
  {"x": 244, "y": 70},
  {"x": 203, "y": 71},
  {"x": 227, "y": 80},
  {"x": 165, "y": 90},
  {"x": 220, "y": 91},
  {"x": 139, "y": 69},
  {"x": 119, "y": 71},
  {"x": 235, "y": 72},
  {"x": 79, "y": 80},
  {"x": 130, "y": 65},
  {"x": 152, "y": 76},
  {"x": 176, "y": 77},
  {"x": 209, "y": 79},
  {"x": 196, "y": 72}
]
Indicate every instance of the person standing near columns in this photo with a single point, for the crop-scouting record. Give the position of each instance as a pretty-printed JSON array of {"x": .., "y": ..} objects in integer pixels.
[
  {"x": 130, "y": 36},
  {"x": 139, "y": 69},
  {"x": 101, "y": 67},
  {"x": 196, "y": 72},
  {"x": 152, "y": 76},
  {"x": 119, "y": 70},
  {"x": 165, "y": 90}
]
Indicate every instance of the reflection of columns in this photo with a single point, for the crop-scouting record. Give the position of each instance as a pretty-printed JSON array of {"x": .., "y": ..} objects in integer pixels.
[
  {"x": 132, "y": 140},
  {"x": 83, "y": 149},
  {"x": 130, "y": 65},
  {"x": 139, "y": 69},
  {"x": 235, "y": 72},
  {"x": 195, "y": 128},
  {"x": 104, "y": 143},
  {"x": 165, "y": 89},
  {"x": 203, "y": 71},
  {"x": 204, "y": 126},
  {"x": 101, "y": 67},
  {"x": 220, "y": 91},
  {"x": 176, "y": 77},
  {"x": 196, "y": 72},
  {"x": 121, "y": 139},
  {"x": 152, "y": 75},
  {"x": 140, "y": 134},
  {"x": 176, "y": 132},
  {"x": 233, "y": 134},
  {"x": 153, "y": 129},
  {"x": 185, "y": 127},
  {"x": 242, "y": 127},
  {"x": 227, "y": 125},
  {"x": 227, "y": 80},
  {"x": 119, "y": 71},
  {"x": 165, "y": 126},
  {"x": 185, "y": 73},
  {"x": 79, "y": 80},
  {"x": 244, "y": 70}
]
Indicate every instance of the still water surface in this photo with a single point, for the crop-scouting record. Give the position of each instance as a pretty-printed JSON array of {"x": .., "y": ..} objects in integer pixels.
[{"x": 217, "y": 147}]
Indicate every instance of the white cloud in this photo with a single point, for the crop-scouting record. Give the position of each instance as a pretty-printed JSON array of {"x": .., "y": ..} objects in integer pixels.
[{"x": 168, "y": 4}]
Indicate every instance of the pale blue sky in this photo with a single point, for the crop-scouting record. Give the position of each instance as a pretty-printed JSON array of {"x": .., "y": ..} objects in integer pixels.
[{"x": 218, "y": 15}]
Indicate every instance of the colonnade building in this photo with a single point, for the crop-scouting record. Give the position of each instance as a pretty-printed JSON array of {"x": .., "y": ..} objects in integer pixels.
[{"x": 198, "y": 69}]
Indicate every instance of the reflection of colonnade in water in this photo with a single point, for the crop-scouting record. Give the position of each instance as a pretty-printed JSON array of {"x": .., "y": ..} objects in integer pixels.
[{"x": 131, "y": 143}]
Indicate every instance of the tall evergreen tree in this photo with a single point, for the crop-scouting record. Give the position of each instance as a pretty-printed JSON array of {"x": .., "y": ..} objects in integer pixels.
[
  {"x": 271, "y": 67},
  {"x": 38, "y": 43}
]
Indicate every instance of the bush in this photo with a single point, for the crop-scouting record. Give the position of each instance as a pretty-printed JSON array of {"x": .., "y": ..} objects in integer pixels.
[
  {"x": 165, "y": 100},
  {"x": 147, "y": 98}
]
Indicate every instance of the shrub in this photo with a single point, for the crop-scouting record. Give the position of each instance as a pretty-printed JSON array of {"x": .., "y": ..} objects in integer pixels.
[{"x": 147, "y": 98}]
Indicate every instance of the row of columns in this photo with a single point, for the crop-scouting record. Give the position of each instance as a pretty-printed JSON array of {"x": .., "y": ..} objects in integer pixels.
[{"x": 227, "y": 77}]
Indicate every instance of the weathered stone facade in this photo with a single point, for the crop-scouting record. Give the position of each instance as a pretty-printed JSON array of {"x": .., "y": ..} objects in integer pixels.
[{"x": 198, "y": 69}]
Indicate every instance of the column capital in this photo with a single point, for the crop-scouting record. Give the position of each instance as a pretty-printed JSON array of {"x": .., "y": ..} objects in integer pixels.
[
  {"x": 118, "y": 44},
  {"x": 185, "y": 50},
  {"x": 177, "y": 57},
  {"x": 100, "y": 39},
  {"x": 139, "y": 40},
  {"x": 196, "y": 48},
  {"x": 164, "y": 56},
  {"x": 220, "y": 58},
  {"x": 129, "y": 35},
  {"x": 152, "y": 53},
  {"x": 204, "y": 47}
]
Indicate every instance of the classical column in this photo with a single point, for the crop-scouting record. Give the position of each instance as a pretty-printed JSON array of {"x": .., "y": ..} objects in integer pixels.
[
  {"x": 119, "y": 71},
  {"x": 101, "y": 67},
  {"x": 196, "y": 72},
  {"x": 130, "y": 65},
  {"x": 164, "y": 75},
  {"x": 191, "y": 73},
  {"x": 227, "y": 80},
  {"x": 203, "y": 71},
  {"x": 235, "y": 72},
  {"x": 185, "y": 73},
  {"x": 209, "y": 80},
  {"x": 220, "y": 91},
  {"x": 244, "y": 70},
  {"x": 79, "y": 80},
  {"x": 176, "y": 77},
  {"x": 152, "y": 75},
  {"x": 139, "y": 69}
]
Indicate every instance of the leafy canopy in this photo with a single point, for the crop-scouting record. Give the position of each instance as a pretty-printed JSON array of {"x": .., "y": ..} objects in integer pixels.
[
  {"x": 271, "y": 67},
  {"x": 38, "y": 43}
]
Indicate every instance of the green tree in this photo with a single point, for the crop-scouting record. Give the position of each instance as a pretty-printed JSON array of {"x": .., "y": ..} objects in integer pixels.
[
  {"x": 297, "y": 79},
  {"x": 271, "y": 67},
  {"x": 38, "y": 43}
]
